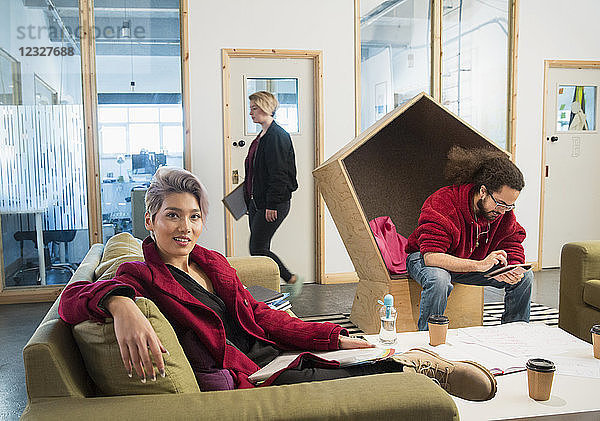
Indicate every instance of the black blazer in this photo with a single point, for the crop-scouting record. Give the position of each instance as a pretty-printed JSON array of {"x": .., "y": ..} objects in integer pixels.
[{"x": 274, "y": 170}]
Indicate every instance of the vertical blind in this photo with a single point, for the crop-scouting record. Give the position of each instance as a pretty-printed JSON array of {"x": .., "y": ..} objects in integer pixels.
[{"x": 42, "y": 164}]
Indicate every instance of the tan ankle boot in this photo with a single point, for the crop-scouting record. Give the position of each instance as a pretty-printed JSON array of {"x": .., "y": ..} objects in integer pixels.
[{"x": 464, "y": 379}]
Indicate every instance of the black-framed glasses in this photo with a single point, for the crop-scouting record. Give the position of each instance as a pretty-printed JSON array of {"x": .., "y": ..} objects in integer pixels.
[{"x": 500, "y": 205}]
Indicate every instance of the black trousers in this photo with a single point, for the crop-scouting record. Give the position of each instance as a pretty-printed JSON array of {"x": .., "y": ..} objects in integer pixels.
[
  {"x": 305, "y": 372},
  {"x": 262, "y": 231}
]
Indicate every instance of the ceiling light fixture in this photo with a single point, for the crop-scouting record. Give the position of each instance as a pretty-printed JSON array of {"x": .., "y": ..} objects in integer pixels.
[{"x": 126, "y": 27}]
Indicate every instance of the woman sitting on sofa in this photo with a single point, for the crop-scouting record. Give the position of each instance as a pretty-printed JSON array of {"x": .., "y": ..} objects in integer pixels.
[{"x": 224, "y": 332}]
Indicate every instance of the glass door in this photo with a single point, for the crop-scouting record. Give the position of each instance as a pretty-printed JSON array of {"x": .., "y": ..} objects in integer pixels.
[{"x": 43, "y": 199}]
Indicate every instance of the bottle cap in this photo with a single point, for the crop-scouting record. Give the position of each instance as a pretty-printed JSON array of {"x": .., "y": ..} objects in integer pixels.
[
  {"x": 388, "y": 300},
  {"x": 595, "y": 329},
  {"x": 541, "y": 365},
  {"x": 438, "y": 319}
]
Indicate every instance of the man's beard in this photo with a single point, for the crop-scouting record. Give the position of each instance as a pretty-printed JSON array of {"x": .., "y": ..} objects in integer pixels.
[{"x": 489, "y": 215}]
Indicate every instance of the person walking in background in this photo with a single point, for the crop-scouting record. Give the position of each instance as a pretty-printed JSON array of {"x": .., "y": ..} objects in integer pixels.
[
  {"x": 270, "y": 180},
  {"x": 467, "y": 229}
]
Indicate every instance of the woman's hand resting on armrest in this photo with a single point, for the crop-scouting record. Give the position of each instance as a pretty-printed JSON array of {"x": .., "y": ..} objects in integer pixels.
[{"x": 135, "y": 336}]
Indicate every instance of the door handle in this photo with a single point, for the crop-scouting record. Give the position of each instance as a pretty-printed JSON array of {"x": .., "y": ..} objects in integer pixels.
[
  {"x": 239, "y": 143},
  {"x": 235, "y": 177},
  {"x": 554, "y": 139}
]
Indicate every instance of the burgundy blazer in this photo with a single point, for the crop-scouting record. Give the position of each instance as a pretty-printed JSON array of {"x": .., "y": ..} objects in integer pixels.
[{"x": 152, "y": 279}]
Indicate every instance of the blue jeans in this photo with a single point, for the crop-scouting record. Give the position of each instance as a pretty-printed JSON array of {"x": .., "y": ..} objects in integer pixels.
[{"x": 437, "y": 286}]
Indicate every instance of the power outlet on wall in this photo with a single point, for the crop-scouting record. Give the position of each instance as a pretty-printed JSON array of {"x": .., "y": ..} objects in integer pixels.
[{"x": 576, "y": 148}]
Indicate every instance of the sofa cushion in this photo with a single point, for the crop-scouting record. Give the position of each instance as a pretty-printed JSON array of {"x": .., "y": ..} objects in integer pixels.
[
  {"x": 102, "y": 358},
  {"x": 119, "y": 248},
  {"x": 591, "y": 293}
]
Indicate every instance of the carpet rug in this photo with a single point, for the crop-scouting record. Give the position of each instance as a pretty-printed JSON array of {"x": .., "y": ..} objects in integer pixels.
[{"x": 492, "y": 312}]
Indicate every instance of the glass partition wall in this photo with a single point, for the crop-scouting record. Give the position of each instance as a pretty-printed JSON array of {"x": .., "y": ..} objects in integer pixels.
[
  {"x": 43, "y": 200},
  {"x": 475, "y": 64},
  {"x": 458, "y": 51},
  {"x": 45, "y": 148},
  {"x": 140, "y": 119},
  {"x": 395, "y": 55}
]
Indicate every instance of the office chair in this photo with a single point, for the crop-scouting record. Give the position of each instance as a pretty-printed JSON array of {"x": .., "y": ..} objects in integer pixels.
[{"x": 50, "y": 236}]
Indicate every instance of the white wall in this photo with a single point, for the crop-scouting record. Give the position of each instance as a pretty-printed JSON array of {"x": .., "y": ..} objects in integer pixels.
[
  {"x": 310, "y": 25},
  {"x": 548, "y": 30}
]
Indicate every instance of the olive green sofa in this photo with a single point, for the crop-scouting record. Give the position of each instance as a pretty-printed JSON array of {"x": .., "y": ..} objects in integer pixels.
[
  {"x": 579, "y": 306},
  {"x": 59, "y": 387}
]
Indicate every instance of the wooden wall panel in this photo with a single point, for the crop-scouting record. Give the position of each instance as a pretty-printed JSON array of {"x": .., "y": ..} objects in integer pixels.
[{"x": 351, "y": 223}]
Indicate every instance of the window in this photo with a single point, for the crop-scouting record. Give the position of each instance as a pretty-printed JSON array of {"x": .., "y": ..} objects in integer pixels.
[
  {"x": 475, "y": 64},
  {"x": 44, "y": 93},
  {"x": 10, "y": 79},
  {"x": 286, "y": 92},
  {"x": 112, "y": 138},
  {"x": 394, "y": 55},
  {"x": 455, "y": 50},
  {"x": 576, "y": 108},
  {"x": 133, "y": 128},
  {"x": 140, "y": 117}
]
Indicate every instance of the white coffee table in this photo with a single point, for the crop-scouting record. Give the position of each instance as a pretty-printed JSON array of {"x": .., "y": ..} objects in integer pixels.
[{"x": 573, "y": 397}]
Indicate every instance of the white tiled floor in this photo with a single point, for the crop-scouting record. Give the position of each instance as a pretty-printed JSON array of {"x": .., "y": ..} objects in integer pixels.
[{"x": 545, "y": 289}]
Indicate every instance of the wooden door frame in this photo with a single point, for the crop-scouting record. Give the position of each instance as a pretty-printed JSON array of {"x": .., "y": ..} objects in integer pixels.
[
  {"x": 317, "y": 57},
  {"x": 548, "y": 64}
]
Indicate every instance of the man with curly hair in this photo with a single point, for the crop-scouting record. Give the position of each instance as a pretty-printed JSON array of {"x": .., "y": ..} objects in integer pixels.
[{"x": 468, "y": 229}]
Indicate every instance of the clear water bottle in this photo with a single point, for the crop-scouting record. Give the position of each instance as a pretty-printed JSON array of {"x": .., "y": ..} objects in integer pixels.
[{"x": 387, "y": 314}]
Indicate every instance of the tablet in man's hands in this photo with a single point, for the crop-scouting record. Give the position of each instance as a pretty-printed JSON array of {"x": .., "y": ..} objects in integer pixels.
[{"x": 517, "y": 269}]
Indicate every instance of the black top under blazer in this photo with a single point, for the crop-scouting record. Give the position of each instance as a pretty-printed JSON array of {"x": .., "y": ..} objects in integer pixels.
[{"x": 274, "y": 169}]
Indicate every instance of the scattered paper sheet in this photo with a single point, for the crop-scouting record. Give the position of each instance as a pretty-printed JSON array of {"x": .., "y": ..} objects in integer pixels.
[
  {"x": 571, "y": 355},
  {"x": 506, "y": 348}
]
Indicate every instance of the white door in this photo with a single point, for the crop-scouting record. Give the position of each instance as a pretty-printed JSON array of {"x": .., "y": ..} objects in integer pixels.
[
  {"x": 291, "y": 81},
  {"x": 572, "y": 190}
]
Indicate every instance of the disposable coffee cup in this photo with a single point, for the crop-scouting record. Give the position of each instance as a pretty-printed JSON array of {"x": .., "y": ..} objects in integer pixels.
[
  {"x": 438, "y": 327},
  {"x": 596, "y": 340},
  {"x": 540, "y": 374}
]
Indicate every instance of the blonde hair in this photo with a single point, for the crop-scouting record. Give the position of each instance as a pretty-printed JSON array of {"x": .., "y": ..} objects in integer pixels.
[
  {"x": 169, "y": 180},
  {"x": 266, "y": 101}
]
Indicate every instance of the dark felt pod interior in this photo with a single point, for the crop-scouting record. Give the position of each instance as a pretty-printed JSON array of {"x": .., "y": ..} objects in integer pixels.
[{"x": 397, "y": 168}]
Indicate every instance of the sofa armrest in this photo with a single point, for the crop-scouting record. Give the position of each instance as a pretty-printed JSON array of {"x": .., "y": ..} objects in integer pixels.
[
  {"x": 580, "y": 262},
  {"x": 393, "y": 396},
  {"x": 53, "y": 364},
  {"x": 256, "y": 270}
]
